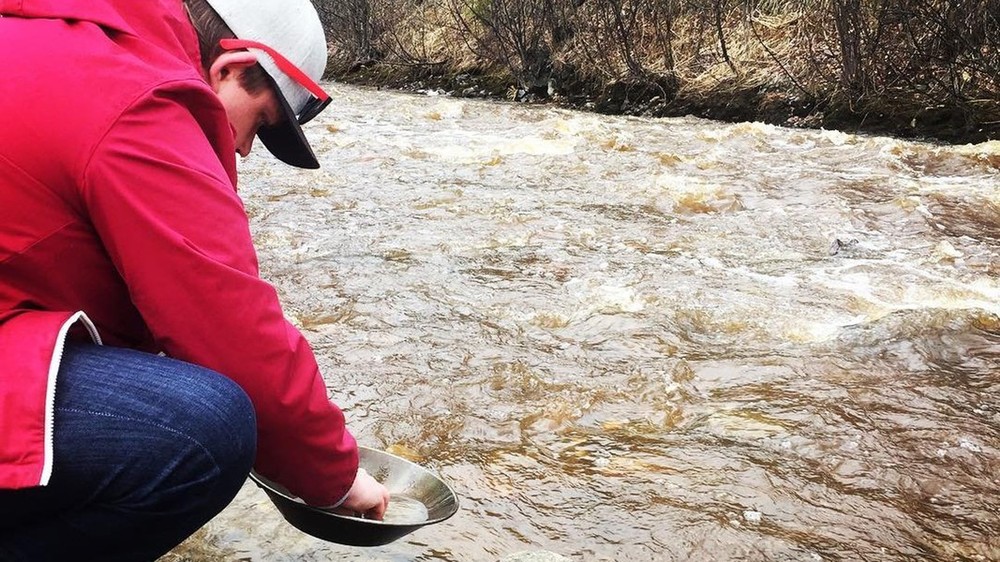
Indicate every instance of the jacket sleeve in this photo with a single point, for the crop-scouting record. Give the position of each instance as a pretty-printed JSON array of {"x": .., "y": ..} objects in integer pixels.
[{"x": 168, "y": 214}]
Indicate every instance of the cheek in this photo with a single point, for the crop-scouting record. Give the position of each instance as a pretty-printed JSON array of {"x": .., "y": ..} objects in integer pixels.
[
  {"x": 246, "y": 129},
  {"x": 246, "y": 124}
]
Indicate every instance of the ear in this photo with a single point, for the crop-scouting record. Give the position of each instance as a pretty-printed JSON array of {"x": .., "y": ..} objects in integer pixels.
[{"x": 229, "y": 64}]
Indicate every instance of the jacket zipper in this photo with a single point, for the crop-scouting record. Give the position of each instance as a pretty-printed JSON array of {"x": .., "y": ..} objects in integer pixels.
[{"x": 50, "y": 391}]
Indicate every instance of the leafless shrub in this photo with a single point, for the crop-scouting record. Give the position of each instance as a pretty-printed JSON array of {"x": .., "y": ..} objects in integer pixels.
[
  {"x": 413, "y": 32},
  {"x": 516, "y": 33},
  {"x": 351, "y": 30}
]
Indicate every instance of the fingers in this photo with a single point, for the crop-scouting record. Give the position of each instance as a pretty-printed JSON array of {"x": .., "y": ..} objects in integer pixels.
[
  {"x": 368, "y": 498},
  {"x": 378, "y": 512},
  {"x": 380, "y": 503}
]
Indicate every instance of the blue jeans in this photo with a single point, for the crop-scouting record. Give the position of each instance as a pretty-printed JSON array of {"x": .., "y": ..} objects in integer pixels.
[{"x": 146, "y": 450}]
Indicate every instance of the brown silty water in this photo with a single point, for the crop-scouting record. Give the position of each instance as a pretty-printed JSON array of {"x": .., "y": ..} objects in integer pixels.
[{"x": 636, "y": 339}]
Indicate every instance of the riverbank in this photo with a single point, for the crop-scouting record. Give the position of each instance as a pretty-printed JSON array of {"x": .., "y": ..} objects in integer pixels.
[
  {"x": 927, "y": 72},
  {"x": 942, "y": 123}
]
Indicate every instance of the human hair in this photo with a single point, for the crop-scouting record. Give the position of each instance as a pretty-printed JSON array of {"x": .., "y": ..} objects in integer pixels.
[{"x": 211, "y": 29}]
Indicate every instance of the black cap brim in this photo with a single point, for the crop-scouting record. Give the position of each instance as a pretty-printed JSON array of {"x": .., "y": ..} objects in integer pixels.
[{"x": 286, "y": 141}]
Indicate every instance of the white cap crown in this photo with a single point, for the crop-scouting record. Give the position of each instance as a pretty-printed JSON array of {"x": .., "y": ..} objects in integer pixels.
[{"x": 290, "y": 27}]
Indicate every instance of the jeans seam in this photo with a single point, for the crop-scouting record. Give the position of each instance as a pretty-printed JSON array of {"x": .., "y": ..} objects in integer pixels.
[{"x": 147, "y": 423}]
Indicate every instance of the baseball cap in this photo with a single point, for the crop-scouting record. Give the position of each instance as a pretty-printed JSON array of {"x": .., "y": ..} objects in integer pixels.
[{"x": 288, "y": 39}]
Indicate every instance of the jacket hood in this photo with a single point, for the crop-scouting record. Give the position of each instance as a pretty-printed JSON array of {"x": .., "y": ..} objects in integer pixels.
[{"x": 163, "y": 22}]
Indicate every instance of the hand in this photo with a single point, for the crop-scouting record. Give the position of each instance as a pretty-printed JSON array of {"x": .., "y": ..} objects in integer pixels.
[{"x": 367, "y": 498}]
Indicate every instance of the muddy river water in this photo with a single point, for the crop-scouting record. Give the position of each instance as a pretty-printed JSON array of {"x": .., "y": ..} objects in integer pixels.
[{"x": 644, "y": 339}]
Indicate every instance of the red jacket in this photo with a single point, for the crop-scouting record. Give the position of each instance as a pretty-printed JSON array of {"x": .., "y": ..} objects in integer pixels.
[{"x": 118, "y": 200}]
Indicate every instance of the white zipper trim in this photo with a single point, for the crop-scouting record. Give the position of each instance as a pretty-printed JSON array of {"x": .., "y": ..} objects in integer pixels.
[{"x": 50, "y": 391}]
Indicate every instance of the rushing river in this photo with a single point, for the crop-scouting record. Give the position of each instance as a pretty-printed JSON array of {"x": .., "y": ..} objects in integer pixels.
[{"x": 644, "y": 339}]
